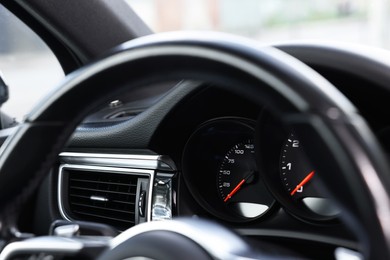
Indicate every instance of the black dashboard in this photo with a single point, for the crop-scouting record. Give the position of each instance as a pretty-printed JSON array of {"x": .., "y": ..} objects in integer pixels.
[{"x": 189, "y": 151}]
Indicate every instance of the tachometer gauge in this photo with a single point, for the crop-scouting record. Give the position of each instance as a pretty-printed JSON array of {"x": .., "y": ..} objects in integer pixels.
[
  {"x": 299, "y": 179},
  {"x": 291, "y": 177}
]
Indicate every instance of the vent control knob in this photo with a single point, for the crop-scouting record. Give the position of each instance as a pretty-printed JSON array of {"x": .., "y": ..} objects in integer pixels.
[{"x": 141, "y": 204}]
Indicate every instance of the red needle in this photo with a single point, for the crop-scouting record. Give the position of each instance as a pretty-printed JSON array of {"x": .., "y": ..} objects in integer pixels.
[
  {"x": 234, "y": 190},
  {"x": 303, "y": 182}
]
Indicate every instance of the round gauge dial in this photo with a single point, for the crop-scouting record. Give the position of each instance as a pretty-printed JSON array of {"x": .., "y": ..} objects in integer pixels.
[
  {"x": 299, "y": 179},
  {"x": 220, "y": 171},
  {"x": 239, "y": 184}
]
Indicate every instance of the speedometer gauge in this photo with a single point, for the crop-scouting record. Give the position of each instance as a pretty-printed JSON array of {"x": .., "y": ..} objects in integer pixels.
[
  {"x": 299, "y": 179},
  {"x": 220, "y": 171},
  {"x": 238, "y": 182}
]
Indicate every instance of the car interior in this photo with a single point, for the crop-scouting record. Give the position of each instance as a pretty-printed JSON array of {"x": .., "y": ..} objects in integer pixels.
[{"x": 194, "y": 145}]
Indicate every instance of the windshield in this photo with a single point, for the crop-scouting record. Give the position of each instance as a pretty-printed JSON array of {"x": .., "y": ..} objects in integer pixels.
[
  {"x": 27, "y": 64},
  {"x": 358, "y": 21}
]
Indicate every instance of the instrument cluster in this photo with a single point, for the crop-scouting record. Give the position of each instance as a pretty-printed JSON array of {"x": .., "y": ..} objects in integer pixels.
[{"x": 236, "y": 181}]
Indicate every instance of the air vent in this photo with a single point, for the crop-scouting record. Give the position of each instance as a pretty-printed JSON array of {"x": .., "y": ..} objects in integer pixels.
[{"x": 102, "y": 197}]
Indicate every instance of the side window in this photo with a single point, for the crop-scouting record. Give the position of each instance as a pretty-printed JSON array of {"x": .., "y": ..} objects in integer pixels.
[{"x": 27, "y": 64}]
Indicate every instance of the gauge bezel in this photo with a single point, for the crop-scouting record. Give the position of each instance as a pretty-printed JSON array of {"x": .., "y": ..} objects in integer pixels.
[
  {"x": 218, "y": 135},
  {"x": 271, "y": 136}
]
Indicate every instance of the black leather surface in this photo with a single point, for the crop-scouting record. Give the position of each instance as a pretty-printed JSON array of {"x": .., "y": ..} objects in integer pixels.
[{"x": 162, "y": 245}]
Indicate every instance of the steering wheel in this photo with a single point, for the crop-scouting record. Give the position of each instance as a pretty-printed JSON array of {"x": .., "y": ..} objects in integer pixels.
[{"x": 340, "y": 139}]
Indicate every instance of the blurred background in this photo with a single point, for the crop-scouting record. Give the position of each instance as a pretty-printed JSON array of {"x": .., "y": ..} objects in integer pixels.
[
  {"x": 360, "y": 21},
  {"x": 31, "y": 69}
]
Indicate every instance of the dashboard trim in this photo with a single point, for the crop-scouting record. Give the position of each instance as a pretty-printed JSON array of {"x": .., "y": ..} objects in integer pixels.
[{"x": 152, "y": 162}]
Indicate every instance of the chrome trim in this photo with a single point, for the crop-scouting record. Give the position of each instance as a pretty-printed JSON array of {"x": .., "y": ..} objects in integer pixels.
[
  {"x": 107, "y": 155},
  {"x": 140, "y": 172},
  {"x": 342, "y": 253},
  {"x": 151, "y": 162},
  {"x": 67, "y": 230},
  {"x": 162, "y": 198},
  {"x": 98, "y": 198},
  {"x": 42, "y": 244},
  {"x": 8, "y": 131}
]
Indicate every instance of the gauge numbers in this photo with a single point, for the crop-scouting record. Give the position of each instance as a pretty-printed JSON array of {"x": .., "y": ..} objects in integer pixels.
[
  {"x": 239, "y": 185},
  {"x": 237, "y": 169},
  {"x": 300, "y": 180}
]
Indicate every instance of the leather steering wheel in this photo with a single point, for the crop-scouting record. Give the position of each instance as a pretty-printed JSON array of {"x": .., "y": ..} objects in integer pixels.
[{"x": 293, "y": 92}]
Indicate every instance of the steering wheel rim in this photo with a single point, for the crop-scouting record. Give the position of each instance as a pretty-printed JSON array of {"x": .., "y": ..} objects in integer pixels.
[{"x": 294, "y": 92}]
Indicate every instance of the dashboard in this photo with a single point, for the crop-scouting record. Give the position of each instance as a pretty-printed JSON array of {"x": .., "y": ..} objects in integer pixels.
[
  {"x": 224, "y": 177},
  {"x": 189, "y": 150}
]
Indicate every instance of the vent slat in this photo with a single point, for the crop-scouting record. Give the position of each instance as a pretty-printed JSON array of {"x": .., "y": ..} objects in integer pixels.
[
  {"x": 102, "y": 208},
  {"x": 79, "y": 196},
  {"x": 104, "y": 217},
  {"x": 103, "y": 182},
  {"x": 118, "y": 193},
  {"x": 123, "y": 202},
  {"x": 102, "y": 191},
  {"x": 89, "y": 198}
]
